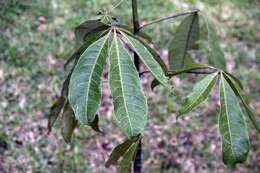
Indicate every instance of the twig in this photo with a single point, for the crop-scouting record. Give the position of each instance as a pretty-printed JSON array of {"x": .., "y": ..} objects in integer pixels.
[
  {"x": 138, "y": 158},
  {"x": 174, "y": 73},
  {"x": 194, "y": 71},
  {"x": 136, "y": 24},
  {"x": 136, "y": 29},
  {"x": 168, "y": 17}
]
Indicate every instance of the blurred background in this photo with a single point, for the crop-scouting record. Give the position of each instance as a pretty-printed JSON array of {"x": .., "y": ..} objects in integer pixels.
[{"x": 36, "y": 38}]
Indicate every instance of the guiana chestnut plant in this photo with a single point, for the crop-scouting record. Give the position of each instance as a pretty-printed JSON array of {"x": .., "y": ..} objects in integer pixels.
[{"x": 123, "y": 48}]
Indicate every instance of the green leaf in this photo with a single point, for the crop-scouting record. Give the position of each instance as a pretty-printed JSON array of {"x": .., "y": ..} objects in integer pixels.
[
  {"x": 199, "y": 93},
  {"x": 120, "y": 150},
  {"x": 130, "y": 105},
  {"x": 216, "y": 56},
  {"x": 232, "y": 125},
  {"x": 235, "y": 80},
  {"x": 91, "y": 38},
  {"x": 148, "y": 59},
  {"x": 65, "y": 85},
  {"x": 126, "y": 162},
  {"x": 55, "y": 111},
  {"x": 185, "y": 39},
  {"x": 68, "y": 123},
  {"x": 252, "y": 116},
  {"x": 238, "y": 91},
  {"x": 85, "y": 82},
  {"x": 155, "y": 55},
  {"x": 64, "y": 92},
  {"x": 94, "y": 125},
  {"x": 88, "y": 27}
]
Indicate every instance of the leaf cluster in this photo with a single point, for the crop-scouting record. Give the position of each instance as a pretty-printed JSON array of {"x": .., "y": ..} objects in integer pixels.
[{"x": 115, "y": 45}]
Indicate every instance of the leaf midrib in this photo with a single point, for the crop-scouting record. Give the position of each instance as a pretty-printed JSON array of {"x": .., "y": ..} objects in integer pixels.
[
  {"x": 91, "y": 74},
  {"x": 188, "y": 39},
  {"x": 122, "y": 86},
  {"x": 226, "y": 110},
  {"x": 147, "y": 66}
]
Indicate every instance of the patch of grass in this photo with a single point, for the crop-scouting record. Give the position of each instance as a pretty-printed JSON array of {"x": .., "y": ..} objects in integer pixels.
[{"x": 35, "y": 39}]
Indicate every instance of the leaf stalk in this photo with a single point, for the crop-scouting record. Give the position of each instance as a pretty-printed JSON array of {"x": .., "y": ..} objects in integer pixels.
[{"x": 168, "y": 17}]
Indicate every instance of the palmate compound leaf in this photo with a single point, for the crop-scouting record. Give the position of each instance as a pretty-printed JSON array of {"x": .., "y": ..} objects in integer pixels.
[
  {"x": 130, "y": 105},
  {"x": 199, "y": 93},
  {"x": 148, "y": 59},
  {"x": 232, "y": 126},
  {"x": 185, "y": 39},
  {"x": 120, "y": 150},
  {"x": 233, "y": 82},
  {"x": 85, "y": 83}
]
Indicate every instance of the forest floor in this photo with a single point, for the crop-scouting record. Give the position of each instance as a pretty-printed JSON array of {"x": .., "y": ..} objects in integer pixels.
[{"x": 36, "y": 38}]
